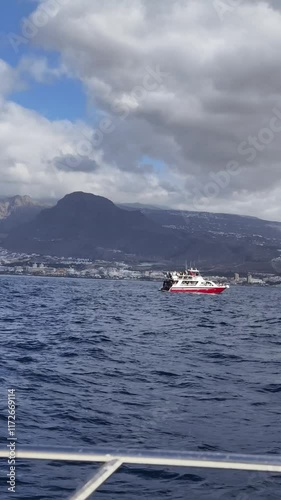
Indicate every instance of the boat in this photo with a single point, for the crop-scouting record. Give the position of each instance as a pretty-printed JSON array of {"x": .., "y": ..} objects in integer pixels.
[
  {"x": 113, "y": 459},
  {"x": 191, "y": 281}
]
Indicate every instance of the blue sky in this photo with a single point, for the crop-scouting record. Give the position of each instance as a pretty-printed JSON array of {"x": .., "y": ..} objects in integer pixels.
[
  {"x": 12, "y": 12},
  {"x": 186, "y": 88},
  {"x": 63, "y": 98}
]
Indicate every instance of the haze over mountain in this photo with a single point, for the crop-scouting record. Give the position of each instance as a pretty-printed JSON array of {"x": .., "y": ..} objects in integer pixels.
[
  {"x": 85, "y": 225},
  {"x": 17, "y": 210}
]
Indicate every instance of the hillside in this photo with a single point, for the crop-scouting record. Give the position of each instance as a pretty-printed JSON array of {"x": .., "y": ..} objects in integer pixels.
[
  {"x": 85, "y": 225},
  {"x": 17, "y": 210},
  {"x": 89, "y": 226}
]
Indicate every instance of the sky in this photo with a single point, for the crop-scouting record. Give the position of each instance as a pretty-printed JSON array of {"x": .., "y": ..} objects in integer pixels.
[{"x": 175, "y": 103}]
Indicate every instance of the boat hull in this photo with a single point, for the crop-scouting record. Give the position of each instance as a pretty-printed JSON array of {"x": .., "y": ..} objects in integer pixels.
[
  {"x": 210, "y": 290},
  {"x": 191, "y": 281}
]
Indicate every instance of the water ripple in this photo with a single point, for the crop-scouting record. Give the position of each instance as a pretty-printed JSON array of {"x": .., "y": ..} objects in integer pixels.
[{"x": 118, "y": 364}]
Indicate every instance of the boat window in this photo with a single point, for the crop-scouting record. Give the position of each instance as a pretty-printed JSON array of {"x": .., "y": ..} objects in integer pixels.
[{"x": 190, "y": 283}]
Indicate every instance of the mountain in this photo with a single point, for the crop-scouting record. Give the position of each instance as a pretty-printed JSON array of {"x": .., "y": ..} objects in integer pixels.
[
  {"x": 140, "y": 206},
  {"x": 89, "y": 226},
  {"x": 17, "y": 210},
  {"x": 241, "y": 243}
]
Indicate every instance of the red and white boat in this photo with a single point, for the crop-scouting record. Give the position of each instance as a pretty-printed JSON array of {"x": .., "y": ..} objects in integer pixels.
[{"x": 191, "y": 281}]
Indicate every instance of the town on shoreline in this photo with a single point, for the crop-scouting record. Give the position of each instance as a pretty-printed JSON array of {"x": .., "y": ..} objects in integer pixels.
[{"x": 49, "y": 266}]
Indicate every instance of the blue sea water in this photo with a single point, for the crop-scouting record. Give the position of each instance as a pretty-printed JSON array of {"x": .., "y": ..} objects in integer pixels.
[{"x": 121, "y": 365}]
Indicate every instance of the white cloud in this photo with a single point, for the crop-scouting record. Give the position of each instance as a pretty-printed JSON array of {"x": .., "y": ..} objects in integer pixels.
[
  {"x": 9, "y": 79},
  {"x": 39, "y": 69},
  {"x": 45, "y": 159},
  {"x": 221, "y": 83}
]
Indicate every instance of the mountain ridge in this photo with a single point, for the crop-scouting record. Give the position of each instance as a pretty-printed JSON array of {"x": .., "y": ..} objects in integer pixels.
[
  {"x": 86, "y": 225},
  {"x": 16, "y": 210}
]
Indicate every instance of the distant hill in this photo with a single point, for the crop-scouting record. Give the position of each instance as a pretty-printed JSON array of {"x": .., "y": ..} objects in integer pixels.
[
  {"x": 85, "y": 225},
  {"x": 89, "y": 226},
  {"x": 16, "y": 210},
  {"x": 247, "y": 243},
  {"x": 140, "y": 206}
]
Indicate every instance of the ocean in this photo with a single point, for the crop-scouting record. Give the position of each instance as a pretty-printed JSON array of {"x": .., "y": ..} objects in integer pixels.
[{"x": 117, "y": 364}]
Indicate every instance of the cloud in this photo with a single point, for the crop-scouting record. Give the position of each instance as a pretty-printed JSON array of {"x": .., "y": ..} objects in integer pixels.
[
  {"x": 48, "y": 159},
  {"x": 70, "y": 163},
  {"x": 39, "y": 69},
  {"x": 30, "y": 146},
  {"x": 216, "y": 83},
  {"x": 10, "y": 80}
]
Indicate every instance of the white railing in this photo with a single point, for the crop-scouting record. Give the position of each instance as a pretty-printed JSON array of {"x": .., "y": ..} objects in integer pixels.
[{"x": 113, "y": 459}]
